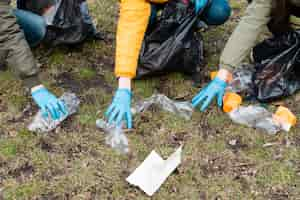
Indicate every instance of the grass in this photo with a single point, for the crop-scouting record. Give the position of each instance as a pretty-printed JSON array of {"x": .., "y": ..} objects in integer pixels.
[{"x": 73, "y": 162}]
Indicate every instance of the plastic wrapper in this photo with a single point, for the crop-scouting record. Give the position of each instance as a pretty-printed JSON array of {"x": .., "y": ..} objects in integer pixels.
[
  {"x": 115, "y": 136},
  {"x": 242, "y": 80},
  {"x": 172, "y": 43},
  {"x": 42, "y": 125},
  {"x": 180, "y": 108},
  {"x": 255, "y": 117}
]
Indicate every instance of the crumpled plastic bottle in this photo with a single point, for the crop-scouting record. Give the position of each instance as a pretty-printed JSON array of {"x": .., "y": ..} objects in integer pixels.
[
  {"x": 115, "y": 136},
  {"x": 256, "y": 117},
  {"x": 43, "y": 125},
  {"x": 181, "y": 108}
]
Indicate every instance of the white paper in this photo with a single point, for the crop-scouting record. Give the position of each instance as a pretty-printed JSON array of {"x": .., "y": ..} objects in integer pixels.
[{"x": 154, "y": 171}]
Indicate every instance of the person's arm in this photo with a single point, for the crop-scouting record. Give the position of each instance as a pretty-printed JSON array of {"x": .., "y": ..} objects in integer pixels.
[
  {"x": 20, "y": 58},
  {"x": 132, "y": 25},
  {"x": 246, "y": 34},
  {"x": 236, "y": 50}
]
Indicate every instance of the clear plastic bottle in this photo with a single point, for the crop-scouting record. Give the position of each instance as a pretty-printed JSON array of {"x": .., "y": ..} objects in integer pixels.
[
  {"x": 115, "y": 136},
  {"x": 42, "y": 125},
  {"x": 256, "y": 116}
]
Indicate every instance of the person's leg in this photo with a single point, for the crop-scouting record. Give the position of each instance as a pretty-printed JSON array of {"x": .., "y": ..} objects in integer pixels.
[
  {"x": 15, "y": 49},
  {"x": 153, "y": 14},
  {"x": 34, "y": 26},
  {"x": 86, "y": 15},
  {"x": 3, "y": 56},
  {"x": 84, "y": 9},
  {"x": 217, "y": 12}
]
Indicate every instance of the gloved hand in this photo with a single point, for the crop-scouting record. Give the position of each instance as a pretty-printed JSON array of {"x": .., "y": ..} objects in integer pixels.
[
  {"x": 216, "y": 88},
  {"x": 120, "y": 108},
  {"x": 199, "y": 4},
  {"x": 48, "y": 103}
]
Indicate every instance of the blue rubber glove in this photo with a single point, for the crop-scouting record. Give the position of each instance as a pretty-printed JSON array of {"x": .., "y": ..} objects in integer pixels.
[
  {"x": 120, "y": 108},
  {"x": 216, "y": 88},
  {"x": 199, "y": 4},
  {"x": 48, "y": 103}
]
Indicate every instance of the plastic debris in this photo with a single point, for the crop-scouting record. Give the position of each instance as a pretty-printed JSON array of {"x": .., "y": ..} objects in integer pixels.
[
  {"x": 231, "y": 101},
  {"x": 255, "y": 117},
  {"x": 42, "y": 125},
  {"x": 154, "y": 171},
  {"x": 242, "y": 80},
  {"x": 115, "y": 136},
  {"x": 213, "y": 75},
  {"x": 181, "y": 108},
  {"x": 285, "y": 117}
]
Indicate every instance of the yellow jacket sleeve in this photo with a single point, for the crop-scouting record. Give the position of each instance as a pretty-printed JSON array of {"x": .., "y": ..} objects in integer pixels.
[{"x": 132, "y": 25}]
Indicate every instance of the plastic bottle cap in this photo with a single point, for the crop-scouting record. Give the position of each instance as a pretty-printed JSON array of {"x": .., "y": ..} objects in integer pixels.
[
  {"x": 213, "y": 75},
  {"x": 231, "y": 101},
  {"x": 285, "y": 116}
]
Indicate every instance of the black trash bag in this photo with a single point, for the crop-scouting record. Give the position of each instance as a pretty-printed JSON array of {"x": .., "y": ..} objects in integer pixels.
[
  {"x": 68, "y": 26},
  {"x": 172, "y": 43},
  {"x": 278, "y": 70},
  {"x": 35, "y": 6}
]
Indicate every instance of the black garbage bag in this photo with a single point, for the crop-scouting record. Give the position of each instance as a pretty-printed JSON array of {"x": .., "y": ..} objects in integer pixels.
[
  {"x": 68, "y": 26},
  {"x": 278, "y": 70},
  {"x": 172, "y": 43},
  {"x": 35, "y": 6}
]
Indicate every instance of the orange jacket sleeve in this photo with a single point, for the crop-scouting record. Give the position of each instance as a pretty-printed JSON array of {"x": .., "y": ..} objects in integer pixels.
[{"x": 132, "y": 25}]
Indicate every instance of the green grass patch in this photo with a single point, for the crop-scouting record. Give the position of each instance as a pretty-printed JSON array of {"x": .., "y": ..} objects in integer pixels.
[
  {"x": 145, "y": 88},
  {"x": 86, "y": 73},
  {"x": 8, "y": 148},
  {"x": 275, "y": 173},
  {"x": 57, "y": 57},
  {"x": 87, "y": 115},
  {"x": 23, "y": 191}
]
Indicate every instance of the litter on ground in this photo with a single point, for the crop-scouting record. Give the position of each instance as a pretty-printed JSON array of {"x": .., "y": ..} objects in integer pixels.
[
  {"x": 154, "y": 171},
  {"x": 43, "y": 125}
]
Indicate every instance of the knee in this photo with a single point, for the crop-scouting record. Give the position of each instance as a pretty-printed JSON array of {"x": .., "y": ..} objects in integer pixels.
[
  {"x": 217, "y": 12},
  {"x": 37, "y": 32},
  {"x": 40, "y": 25},
  {"x": 34, "y": 26}
]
